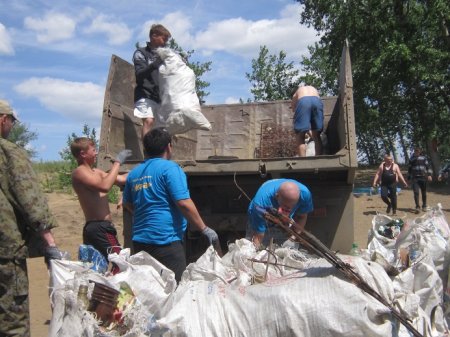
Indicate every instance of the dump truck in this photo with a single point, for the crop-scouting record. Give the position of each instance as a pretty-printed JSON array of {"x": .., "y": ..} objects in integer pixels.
[{"x": 248, "y": 144}]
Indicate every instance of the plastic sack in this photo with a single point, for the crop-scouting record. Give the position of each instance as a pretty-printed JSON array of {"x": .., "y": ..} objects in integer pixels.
[
  {"x": 180, "y": 106},
  {"x": 87, "y": 253}
]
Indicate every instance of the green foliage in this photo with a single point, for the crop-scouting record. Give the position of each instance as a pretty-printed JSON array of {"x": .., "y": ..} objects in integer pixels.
[
  {"x": 114, "y": 194},
  {"x": 199, "y": 70},
  {"x": 70, "y": 163},
  {"x": 272, "y": 78},
  {"x": 49, "y": 173},
  {"x": 400, "y": 53},
  {"x": 22, "y": 136}
]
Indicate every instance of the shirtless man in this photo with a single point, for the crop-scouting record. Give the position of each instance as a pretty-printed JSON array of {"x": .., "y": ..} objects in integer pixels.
[
  {"x": 92, "y": 186},
  {"x": 308, "y": 115}
]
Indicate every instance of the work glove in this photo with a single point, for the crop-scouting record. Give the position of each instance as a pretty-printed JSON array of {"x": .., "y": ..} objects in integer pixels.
[
  {"x": 52, "y": 253},
  {"x": 211, "y": 235},
  {"x": 290, "y": 244},
  {"x": 122, "y": 156}
]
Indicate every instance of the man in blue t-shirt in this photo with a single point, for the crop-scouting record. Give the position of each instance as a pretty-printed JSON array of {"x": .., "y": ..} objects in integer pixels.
[
  {"x": 156, "y": 193},
  {"x": 289, "y": 197}
]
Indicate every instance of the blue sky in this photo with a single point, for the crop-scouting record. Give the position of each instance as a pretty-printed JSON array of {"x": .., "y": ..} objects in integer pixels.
[{"x": 54, "y": 55}]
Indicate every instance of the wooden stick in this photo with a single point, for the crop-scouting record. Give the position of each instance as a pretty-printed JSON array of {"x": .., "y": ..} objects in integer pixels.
[{"x": 310, "y": 242}]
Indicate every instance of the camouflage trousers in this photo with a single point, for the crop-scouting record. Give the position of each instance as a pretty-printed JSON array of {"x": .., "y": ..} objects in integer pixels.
[{"x": 14, "y": 302}]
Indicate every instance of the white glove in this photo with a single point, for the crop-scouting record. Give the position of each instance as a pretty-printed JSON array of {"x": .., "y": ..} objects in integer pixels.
[{"x": 123, "y": 155}]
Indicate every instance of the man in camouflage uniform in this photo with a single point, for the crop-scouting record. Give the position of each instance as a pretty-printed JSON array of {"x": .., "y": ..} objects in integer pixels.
[{"x": 24, "y": 212}]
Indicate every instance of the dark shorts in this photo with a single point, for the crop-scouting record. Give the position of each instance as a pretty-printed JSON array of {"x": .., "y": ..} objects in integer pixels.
[
  {"x": 308, "y": 114},
  {"x": 171, "y": 255},
  {"x": 102, "y": 235}
]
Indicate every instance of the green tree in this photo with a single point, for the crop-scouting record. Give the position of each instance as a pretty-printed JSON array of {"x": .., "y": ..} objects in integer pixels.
[
  {"x": 22, "y": 136},
  {"x": 400, "y": 53},
  {"x": 70, "y": 163},
  {"x": 199, "y": 70},
  {"x": 272, "y": 78}
]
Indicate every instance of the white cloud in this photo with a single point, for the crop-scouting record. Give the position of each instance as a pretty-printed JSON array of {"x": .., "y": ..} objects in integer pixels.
[
  {"x": 244, "y": 37},
  {"x": 52, "y": 27},
  {"x": 6, "y": 47},
  {"x": 117, "y": 32},
  {"x": 80, "y": 101},
  {"x": 177, "y": 23}
]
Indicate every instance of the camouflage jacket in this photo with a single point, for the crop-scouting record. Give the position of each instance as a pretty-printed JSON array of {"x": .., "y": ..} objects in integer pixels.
[{"x": 23, "y": 205}]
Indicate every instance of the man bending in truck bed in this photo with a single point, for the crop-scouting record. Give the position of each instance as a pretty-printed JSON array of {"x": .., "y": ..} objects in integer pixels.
[
  {"x": 92, "y": 186},
  {"x": 308, "y": 115},
  {"x": 289, "y": 197}
]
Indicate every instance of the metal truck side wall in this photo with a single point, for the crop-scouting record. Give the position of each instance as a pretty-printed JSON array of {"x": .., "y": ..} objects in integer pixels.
[{"x": 250, "y": 143}]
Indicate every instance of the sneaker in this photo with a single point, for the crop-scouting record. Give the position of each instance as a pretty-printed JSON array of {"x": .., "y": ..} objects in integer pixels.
[
  {"x": 388, "y": 209},
  {"x": 394, "y": 212},
  {"x": 424, "y": 208},
  {"x": 417, "y": 209}
]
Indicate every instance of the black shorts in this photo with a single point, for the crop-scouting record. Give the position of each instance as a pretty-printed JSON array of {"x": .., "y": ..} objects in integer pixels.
[
  {"x": 102, "y": 235},
  {"x": 171, "y": 255}
]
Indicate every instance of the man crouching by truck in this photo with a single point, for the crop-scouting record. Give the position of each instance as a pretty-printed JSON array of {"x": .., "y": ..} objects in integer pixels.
[
  {"x": 92, "y": 186},
  {"x": 288, "y": 197},
  {"x": 156, "y": 193}
]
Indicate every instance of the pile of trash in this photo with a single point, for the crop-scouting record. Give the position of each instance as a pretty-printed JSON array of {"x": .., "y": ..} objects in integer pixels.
[{"x": 278, "y": 292}]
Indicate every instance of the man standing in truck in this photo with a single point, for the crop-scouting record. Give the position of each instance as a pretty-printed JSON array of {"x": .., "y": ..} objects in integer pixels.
[
  {"x": 308, "y": 116},
  {"x": 157, "y": 195},
  {"x": 146, "y": 63},
  {"x": 288, "y": 197},
  {"x": 92, "y": 186}
]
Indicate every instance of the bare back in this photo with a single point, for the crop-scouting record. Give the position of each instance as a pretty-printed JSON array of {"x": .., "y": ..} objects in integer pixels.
[
  {"x": 303, "y": 91},
  {"x": 94, "y": 203}
]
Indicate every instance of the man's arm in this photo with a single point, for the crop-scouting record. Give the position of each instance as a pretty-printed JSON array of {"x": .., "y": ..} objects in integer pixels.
[
  {"x": 121, "y": 179},
  {"x": 97, "y": 180},
  {"x": 300, "y": 222},
  {"x": 377, "y": 176},
  {"x": 400, "y": 175},
  {"x": 429, "y": 172},
  {"x": 141, "y": 68},
  {"x": 190, "y": 212}
]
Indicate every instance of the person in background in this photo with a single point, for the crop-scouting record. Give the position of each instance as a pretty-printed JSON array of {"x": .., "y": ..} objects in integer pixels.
[
  {"x": 419, "y": 173},
  {"x": 157, "y": 194},
  {"x": 146, "y": 63},
  {"x": 24, "y": 212},
  {"x": 308, "y": 116},
  {"x": 92, "y": 186},
  {"x": 388, "y": 175},
  {"x": 443, "y": 173},
  {"x": 290, "y": 198}
]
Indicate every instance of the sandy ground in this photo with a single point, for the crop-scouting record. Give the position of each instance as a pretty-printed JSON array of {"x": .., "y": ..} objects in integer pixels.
[{"x": 70, "y": 218}]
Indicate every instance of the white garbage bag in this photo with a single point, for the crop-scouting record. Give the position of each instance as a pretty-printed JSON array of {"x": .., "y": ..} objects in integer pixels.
[{"x": 180, "y": 106}]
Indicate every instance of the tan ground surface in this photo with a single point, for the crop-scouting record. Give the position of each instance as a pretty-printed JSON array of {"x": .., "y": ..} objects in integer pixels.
[{"x": 70, "y": 218}]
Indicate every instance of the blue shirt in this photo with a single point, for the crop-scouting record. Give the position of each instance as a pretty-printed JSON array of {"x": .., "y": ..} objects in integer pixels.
[
  {"x": 153, "y": 188},
  {"x": 265, "y": 197}
]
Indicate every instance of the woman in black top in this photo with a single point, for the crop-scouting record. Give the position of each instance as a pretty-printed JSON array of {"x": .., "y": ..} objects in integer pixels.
[{"x": 387, "y": 175}]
